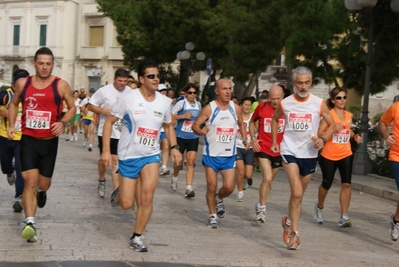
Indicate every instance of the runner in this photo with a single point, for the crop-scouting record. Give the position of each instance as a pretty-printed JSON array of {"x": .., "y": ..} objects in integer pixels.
[{"x": 89, "y": 120}]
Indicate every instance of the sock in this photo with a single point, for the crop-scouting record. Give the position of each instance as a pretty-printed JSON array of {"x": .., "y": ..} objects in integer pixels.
[
  {"x": 189, "y": 187},
  {"x": 259, "y": 206},
  {"x": 213, "y": 215},
  {"x": 30, "y": 220},
  {"x": 134, "y": 235},
  {"x": 90, "y": 145},
  {"x": 163, "y": 167},
  {"x": 288, "y": 222},
  {"x": 174, "y": 178}
]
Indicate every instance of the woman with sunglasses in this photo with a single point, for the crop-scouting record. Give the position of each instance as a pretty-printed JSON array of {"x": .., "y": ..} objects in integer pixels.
[
  {"x": 337, "y": 154},
  {"x": 185, "y": 112}
]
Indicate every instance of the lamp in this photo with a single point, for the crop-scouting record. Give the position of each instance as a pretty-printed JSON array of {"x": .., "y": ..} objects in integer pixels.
[
  {"x": 373, "y": 13},
  {"x": 186, "y": 64}
]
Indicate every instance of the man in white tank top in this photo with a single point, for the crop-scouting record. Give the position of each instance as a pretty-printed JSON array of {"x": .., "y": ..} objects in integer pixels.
[
  {"x": 300, "y": 144},
  {"x": 221, "y": 118}
]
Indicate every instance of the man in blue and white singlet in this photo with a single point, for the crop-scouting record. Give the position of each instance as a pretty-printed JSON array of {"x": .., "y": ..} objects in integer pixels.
[
  {"x": 300, "y": 144},
  {"x": 143, "y": 111},
  {"x": 221, "y": 118}
]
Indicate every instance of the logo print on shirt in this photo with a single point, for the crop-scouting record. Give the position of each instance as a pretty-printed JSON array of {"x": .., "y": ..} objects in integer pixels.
[{"x": 31, "y": 103}]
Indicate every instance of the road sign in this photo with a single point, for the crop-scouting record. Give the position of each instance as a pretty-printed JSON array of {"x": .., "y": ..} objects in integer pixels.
[{"x": 209, "y": 66}]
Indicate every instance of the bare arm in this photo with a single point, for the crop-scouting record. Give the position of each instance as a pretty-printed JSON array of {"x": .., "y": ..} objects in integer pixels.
[
  {"x": 98, "y": 110},
  {"x": 241, "y": 126},
  {"x": 201, "y": 119},
  {"x": 384, "y": 131},
  {"x": 13, "y": 107},
  {"x": 171, "y": 136},
  {"x": 106, "y": 139},
  {"x": 274, "y": 128}
]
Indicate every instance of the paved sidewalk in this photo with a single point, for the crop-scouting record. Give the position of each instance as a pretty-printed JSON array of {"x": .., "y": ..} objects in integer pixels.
[{"x": 77, "y": 228}]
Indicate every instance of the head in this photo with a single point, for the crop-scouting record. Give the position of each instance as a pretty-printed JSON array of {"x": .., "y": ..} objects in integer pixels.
[
  {"x": 263, "y": 98},
  {"x": 337, "y": 98},
  {"x": 170, "y": 93},
  {"x": 148, "y": 74},
  {"x": 191, "y": 91},
  {"x": 182, "y": 92},
  {"x": 120, "y": 79},
  {"x": 265, "y": 93},
  {"x": 235, "y": 100},
  {"x": 43, "y": 62},
  {"x": 19, "y": 73},
  {"x": 223, "y": 90},
  {"x": 246, "y": 104},
  {"x": 134, "y": 85},
  {"x": 92, "y": 91},
  {"x": 75, "y": 94},
  {"x": 276, "y": 94},
  {"x": 82, "y": 91},
  {"x": 302, "y": 81},
  {"x": 162, "y": 89}
]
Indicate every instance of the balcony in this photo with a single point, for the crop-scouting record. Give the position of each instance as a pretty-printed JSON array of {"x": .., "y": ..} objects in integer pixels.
[
  {"x": 11, "y": 51},
  {"x": 115, "y": 53},
  {"x": 92, "y": 52}
]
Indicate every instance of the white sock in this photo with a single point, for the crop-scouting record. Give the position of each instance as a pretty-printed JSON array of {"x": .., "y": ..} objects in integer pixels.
[
  {"x": 189, "y": 187},
  {"x": 174, "y": 178},
  {"x": 30, "y": 220},
  {"x": 163, "y": 167}
]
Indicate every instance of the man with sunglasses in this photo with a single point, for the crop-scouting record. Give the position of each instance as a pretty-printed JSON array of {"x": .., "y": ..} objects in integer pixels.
[
  {"x": 221, "y": 118},
  {"x": 186, "y": 112},
  {"x": 300, "y": 145},
  {"x": 101, "y": 103},
  {"x": 144, "y": 111}
]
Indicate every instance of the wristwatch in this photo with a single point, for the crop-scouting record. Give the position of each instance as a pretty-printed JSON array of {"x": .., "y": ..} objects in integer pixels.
[
  {"x": 64, "y": 123},
  {"x": 175, "y": 147},
  {"x": 324, "y": 140}
]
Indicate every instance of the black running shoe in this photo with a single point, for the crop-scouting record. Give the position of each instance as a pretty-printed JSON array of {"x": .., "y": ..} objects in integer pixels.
[
  {"x": 41, "y": 198},
  {"x": 249, "y": 180}
]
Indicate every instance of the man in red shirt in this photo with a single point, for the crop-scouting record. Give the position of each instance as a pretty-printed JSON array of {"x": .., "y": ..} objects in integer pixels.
[
  {"x": 41, "y": 96},
  {"x": 268, "y": 161}
]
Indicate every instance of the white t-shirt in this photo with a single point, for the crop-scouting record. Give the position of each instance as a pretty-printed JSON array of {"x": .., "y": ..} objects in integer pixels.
[
  {"x": 142, "y": 122},
  {"x": 83, "y": 103},
  {"x": 77, "y": 106},
  {"x": 106, "y": 97}
]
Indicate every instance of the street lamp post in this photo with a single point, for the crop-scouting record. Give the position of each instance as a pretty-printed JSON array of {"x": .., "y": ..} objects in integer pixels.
[
  {"x": 361, "y": 164},
  {"x": 185, "y": 63}
]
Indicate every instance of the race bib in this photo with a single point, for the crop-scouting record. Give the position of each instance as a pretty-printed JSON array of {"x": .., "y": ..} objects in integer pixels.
[
  {"x": 267, "y": 125},
  {"x": 300, "y": 121},
  {"x": 39, "y": 120},
  {"x": 146, "y": 136},
  {"x": 239, "y": 136},
  {"x": 18, "y": 124},
  {"x": 224, "y": 135},
  {"x": 186, "y": 127},
  {"x": 341, "y": 137}
]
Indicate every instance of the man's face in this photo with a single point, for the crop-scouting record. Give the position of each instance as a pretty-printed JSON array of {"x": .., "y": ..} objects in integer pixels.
[
  {"x": 223, "y": 91},
  {"x": 302, "y": 84},
  {"x": 120, "y": 83},
  {"x": 44, "y": 65},
  {"x": 82, "y": 91},
  {"x": 171, "y": 94},
  {"x": 275, "y": 98},
  {"x": 150, "y": 79}
]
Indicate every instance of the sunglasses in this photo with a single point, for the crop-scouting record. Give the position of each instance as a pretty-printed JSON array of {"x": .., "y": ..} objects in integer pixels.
[
  {"x": 152, "y": 76},
  {"x": 161, "y": 89},
  {"x": 191, "y": 93},
  {"x": 340, "y": 97}
]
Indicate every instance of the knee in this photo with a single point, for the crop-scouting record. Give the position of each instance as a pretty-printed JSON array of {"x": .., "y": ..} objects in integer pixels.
[
  {"x": 345, "y": 186},
  {"x": 267, "y": 181},
  {"x": 125, "y": 204},
  {"x": 326, "y": 185},
  {"x": 229, "y": 188}
]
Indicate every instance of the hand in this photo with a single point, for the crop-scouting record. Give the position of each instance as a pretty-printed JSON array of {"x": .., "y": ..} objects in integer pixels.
[
  {"x": 204, "y": 130},
  {"x": 176, "y": 156},
  {"x": 57, "y": 128},
  {"x": 357, "y": 138},
  {"x": 255, "y": 144},
  {"x": 274, "y": 148},
  {"x": 339, "y": 127},
  {"x": 10, "y": 133},
  {"x": 318, "y": 143},
  {"x": 188, "y": 115},
  {"x": 105, "y": 158},
  {"x": 390, "y": 140}
]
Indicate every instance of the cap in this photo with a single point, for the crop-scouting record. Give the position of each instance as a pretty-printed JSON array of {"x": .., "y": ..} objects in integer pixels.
[
  {"x": 161, "y": 87},
  {"x": 92, "y": 90},
  {"x": 19, "y": 73}
]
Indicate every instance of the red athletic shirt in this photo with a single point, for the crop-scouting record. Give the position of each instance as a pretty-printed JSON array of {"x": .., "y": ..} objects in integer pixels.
[
  {"x": 40, "y": 109},
  {"x": 264, "y": 113}
]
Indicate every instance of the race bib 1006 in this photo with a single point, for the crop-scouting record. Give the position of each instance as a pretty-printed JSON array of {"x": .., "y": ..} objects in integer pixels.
[
  {"x": 224, "y": 134},
  {"x": 300, "y": 121},
  {"x": 146, "y": 136}
]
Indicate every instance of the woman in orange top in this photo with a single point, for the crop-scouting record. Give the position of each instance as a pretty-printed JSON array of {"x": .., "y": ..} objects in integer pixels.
[{"x": 337, "y": 154}]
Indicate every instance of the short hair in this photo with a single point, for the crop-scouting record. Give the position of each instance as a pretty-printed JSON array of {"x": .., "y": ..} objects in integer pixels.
[
  {"x": 145, "y": 64},
  {"x": 130, "y": 77},
  {"x": 43, "y": 51},
  {"x": 190, "y": 85},
  {"x": 246, "y": 99},
  {"x": 75, "y": 91},
  {"x": 301, "y": 70},
  {"x": 121, "y": 73}
]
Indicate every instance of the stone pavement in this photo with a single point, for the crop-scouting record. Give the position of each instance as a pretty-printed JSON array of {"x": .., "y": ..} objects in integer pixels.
[{"x": 77, "y": 228}]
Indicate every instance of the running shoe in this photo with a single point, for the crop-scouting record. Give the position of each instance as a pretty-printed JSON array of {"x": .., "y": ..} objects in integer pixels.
[
  {"x": 135, "y": 208},
  {"x": 173, "y": 183},
  {"x": 344, "y": 221},
  {"x": 189, "y": 193},
  {"x": 67, "y": 138},
  {"x": 11, "y": 178},
  {"x": 245, "y": 184},
  {"x": 17, "y": 205},
  {"x": 318, "y": 214},
  {"x": 394, "y": 229},
  {"x": 260, "y": 214},
  {"x": 29, "y": 233},
  {"x": 85, "y": 141},
  {"x": 250, "y": 181},
  {"x": 240, "y": 196},
  {"x": 164, "y": 172},
  {"x": 137, "y": 244},
  {"x": 287, "y": 230},
  {"x": 257, "y": 168},
  {"x": 90, "y": 148},
  {"x": 294, "y": 242},
  {"x": 114, "y": 201},
  {"x": 220, "y": 211},
  {"x": 101, "y": 189},
  {"x": 41, "y": 197},
  {"x": 212, "y": 222}
]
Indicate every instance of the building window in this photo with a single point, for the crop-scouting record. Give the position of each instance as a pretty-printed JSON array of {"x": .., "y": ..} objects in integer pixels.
[
  {"x": 43, "y": 35},
  {"x": 96, "y": 36},
  {"x": 16, "y": 35}
]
